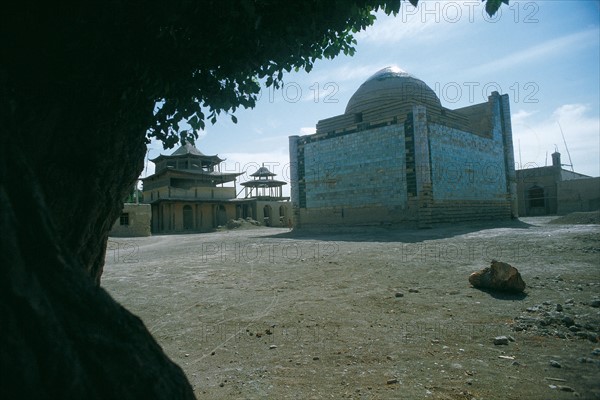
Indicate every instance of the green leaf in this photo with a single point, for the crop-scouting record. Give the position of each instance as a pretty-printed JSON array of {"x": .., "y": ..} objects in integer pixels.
[{"x": 492, "y": 6}]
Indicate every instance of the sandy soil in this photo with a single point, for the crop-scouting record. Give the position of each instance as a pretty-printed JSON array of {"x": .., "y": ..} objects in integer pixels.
[{"x": 375, "y": 314}]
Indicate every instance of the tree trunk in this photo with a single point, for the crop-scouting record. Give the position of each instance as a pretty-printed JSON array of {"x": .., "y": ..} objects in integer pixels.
[
  {"x": 63, "y": 336},
  {"x": 68, "y": 157}
]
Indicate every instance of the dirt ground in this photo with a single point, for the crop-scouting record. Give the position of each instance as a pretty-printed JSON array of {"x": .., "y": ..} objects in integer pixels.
[{"x": 265, "y": 313}]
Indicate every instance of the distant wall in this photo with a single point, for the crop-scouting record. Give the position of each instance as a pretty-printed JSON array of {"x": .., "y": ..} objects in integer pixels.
[
  {"x": 578, "y": 195},
  {"x": 133, "y": 221}
]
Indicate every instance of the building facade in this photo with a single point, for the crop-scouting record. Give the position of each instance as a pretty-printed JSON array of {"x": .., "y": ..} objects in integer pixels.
[
  {"x": 133, "y": 221},
  {"x": 264, "y": 201},
  {"x": 396, "y": 156},
  {"x": 187, "y": 192},
  {"x": 554, "y": 190}
]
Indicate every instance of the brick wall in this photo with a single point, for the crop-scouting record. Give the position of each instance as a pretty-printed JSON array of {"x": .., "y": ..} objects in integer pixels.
[
  {"x": 578, "y": 195},
  {"x": 135, "y": 223}
]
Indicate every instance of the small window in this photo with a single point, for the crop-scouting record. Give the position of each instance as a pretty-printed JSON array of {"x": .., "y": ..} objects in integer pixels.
[{"x": 124, "y": 220}]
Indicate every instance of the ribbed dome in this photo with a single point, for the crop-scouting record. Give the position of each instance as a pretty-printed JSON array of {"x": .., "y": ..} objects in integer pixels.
[{"x": 389, "y": 86}]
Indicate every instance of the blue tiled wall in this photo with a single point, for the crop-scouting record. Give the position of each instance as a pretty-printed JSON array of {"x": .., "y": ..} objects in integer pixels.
[
  {"x": 467, "y": 166},
  {"x": 365, "y": 168}
]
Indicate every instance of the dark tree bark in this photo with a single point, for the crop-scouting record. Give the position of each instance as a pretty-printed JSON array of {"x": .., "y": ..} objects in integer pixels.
[
  {"x": 72, "y": 144},
  {"x": 62, "y": 336}
]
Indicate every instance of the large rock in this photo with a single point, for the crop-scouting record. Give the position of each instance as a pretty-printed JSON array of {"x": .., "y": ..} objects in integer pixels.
[{"x": 499, "y": 276}]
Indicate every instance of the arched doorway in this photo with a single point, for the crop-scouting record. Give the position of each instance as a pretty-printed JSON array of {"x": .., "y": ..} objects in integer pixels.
[
  {"x": 267, "y": 215},
  {"x": 536, "y": 201},
  {"x": 282, "y": 216},
  {"x": 188, "y": 217},
  {"x": 221, "y": 215}
]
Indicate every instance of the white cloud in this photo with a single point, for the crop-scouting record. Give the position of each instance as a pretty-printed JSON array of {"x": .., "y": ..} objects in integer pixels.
[
  {"x": 348, "y": 72},
  {"x": 557, "y": 47},
  {"x": 307, "y": 130},
  {"x": 538, "y": 138},
  {"x": 410, "y": 24}
]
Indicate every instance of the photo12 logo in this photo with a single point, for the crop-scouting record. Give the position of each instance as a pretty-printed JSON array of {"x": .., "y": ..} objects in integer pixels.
[
  {"x": 122, "y": 252},
  {"x": 268, "y": 253},
  {"x": 477, "y": 92},
  {"x": 470, "y": 11},
  {"x": 293, "y": 92}
]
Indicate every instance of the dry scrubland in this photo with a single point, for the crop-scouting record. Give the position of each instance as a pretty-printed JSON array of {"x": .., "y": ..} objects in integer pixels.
[{"x": 375, "y": 314}]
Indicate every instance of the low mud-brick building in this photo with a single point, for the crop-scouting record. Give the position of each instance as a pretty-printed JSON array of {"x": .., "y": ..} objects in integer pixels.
[
  {"x": 187, "y": 192},
  {"x": 397, "y": 156}
]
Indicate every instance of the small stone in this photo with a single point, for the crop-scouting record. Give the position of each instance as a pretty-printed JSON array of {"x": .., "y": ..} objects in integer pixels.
[
  {"x": 221, "y": 384},
  {"x": 569, "y": 301},
  {"x": 595, "y": 303},
  {"x": 592, "y": 337},
  {"x": 512, "y": 339},
  {"x": 596, "y": 351},
  {"x": 399, "y": 294},
  {"x": 574, "y": 328},
  {"x": 555, "y": 364},
  {"x": 500, "y": 340},
  {"x": 566, "y": 388},
  {"x": 315, "y": 358},
  {"x": 559, "y": 307},
  {"x": 272, "y": 346},
  {"x": 392, "y": 381},
  {"x": 568, "y": 321},
  {"x": 413, "y": 290},
  {"x": 516, "y": 363}
]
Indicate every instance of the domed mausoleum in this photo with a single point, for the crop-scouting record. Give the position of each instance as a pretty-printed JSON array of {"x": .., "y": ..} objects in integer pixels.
[
  {"x": 391, "y": 86},
  {"x": 397, "y": 156}
]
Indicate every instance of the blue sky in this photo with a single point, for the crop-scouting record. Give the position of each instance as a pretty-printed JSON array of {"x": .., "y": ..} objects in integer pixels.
[{"x": 544, "y": 54}]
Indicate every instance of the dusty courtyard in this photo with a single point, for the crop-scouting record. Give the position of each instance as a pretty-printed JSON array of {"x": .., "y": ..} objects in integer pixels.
[{"x": 267, "y": 314}]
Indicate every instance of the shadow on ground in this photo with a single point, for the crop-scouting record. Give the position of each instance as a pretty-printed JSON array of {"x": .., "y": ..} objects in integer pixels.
[
  {"x": 397, "y": 233},
  {"x": 504, "y": 295}
]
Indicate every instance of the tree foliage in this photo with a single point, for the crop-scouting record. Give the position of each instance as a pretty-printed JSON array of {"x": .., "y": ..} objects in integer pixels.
[{"x": 195, "y": 59}]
